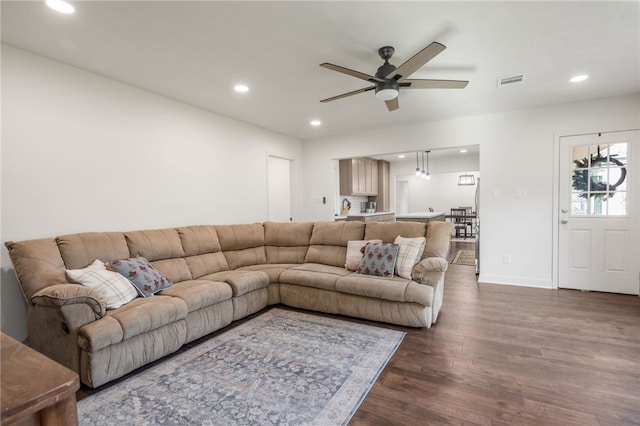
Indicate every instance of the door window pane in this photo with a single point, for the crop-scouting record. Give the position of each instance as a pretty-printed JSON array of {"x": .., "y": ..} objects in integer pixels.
[{"x": 599, "y": 184}]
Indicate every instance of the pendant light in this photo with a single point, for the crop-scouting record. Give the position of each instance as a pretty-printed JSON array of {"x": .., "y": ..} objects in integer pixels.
[
  {"x": 423, "y": 174},
  {"x": 428, "y": 176},
  {"x": 417, "y": 166},
  {"x": 466, "y": 180}
]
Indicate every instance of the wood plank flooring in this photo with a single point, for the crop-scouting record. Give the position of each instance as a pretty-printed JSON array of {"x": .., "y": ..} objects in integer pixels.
[{"x": 507, "y": 355}]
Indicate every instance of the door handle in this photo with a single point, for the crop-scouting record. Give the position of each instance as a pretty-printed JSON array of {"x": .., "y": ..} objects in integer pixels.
[{"x": 564, "y": 221}]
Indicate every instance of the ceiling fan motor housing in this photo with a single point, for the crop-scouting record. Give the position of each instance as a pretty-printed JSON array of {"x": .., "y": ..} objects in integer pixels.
[{"x": 384, "y": 70}]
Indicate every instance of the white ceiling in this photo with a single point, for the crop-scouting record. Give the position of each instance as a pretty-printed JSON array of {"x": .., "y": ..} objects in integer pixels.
[{"x": 195, "y": 51}]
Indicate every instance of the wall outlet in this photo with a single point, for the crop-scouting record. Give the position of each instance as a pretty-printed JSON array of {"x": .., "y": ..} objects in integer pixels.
[{"x": 506, "y": 259}]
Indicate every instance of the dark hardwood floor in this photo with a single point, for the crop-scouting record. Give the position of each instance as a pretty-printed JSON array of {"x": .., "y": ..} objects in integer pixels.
[{"x": 508, "y": 355}]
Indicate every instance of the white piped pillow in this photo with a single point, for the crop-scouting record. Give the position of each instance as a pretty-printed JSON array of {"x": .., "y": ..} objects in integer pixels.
[
  {"x": 409, "y": 254},
  {"x": 113, "y": 287}
]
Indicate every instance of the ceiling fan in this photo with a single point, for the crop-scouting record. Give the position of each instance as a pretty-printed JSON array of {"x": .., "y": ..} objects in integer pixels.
[{"x": 389, "y": 79}]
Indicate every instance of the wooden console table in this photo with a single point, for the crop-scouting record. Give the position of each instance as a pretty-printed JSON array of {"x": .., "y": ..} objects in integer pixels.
[{"x": 35, "y": 389}]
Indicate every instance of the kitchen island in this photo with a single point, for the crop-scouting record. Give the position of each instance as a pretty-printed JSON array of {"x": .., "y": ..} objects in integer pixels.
[
  {"x": 372, "y": 217},
  {"x": 421, "y": 217}
]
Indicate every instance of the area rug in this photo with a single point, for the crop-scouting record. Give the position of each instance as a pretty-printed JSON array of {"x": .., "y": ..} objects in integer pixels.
[
  {"x": 464, "y": 257},
  {"x": 282, "y": 367}
]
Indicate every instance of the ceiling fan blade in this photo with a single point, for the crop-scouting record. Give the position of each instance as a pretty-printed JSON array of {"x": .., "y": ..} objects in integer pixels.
[
  {"x": 417, "y": 61},
  {"x": 393, "y": 104},
  {"x": 434, "y": 84},
  {"x": 352, "y": 73},
  {"x": 344, "y": 95}
]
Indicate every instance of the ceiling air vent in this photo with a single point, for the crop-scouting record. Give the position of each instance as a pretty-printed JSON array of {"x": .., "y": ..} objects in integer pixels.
[{"x": 512, "y": 79}]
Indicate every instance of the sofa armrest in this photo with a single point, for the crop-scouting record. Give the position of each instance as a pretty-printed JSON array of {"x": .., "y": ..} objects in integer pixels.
[
  {"x": 428, "y": 264},
  {"x": 59, "y": 295}
]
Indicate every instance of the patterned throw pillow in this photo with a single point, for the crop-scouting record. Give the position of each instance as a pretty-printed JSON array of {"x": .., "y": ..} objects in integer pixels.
[
  {"x": 409, "y": 254},
  {"x": 379, "y": 259},
  {"x": 147, "y": 279},
  {"x": 115, "y": 289},
  {"x": 355, "y": 252}
]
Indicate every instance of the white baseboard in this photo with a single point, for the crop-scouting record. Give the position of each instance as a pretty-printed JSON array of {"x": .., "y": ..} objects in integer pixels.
[{"x": 518, "y": 281}]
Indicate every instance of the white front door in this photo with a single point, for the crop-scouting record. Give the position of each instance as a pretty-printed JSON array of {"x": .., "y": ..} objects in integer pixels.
[{"x": 599, "y": 202}]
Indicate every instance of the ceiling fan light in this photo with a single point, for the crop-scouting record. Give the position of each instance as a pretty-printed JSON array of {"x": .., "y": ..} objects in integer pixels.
[{"x": 387, "y": 94}]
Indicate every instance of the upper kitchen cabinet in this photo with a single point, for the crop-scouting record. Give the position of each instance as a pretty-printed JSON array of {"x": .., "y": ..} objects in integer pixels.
[{"x": 359, "y": 176}]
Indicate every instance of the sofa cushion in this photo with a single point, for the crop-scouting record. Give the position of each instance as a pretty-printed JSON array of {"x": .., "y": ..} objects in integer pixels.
[
  {"x": 395, "y": 289},
  {"x": 137, "y": 317},
  {"x": 328, "y": 244},
  {"x": 409, "y": 254},
  {"x": 314, "y": 275},
  {"x": 287, "y": 242},
  {"x": 198, "y": 294},
  {"x": 379, "y": 259},
  {"x": 79, "y": 250},
  {"x": 155, "y": 244},
  {"x": 202, "y": 250},
  {"x": 147, "y": 279},
  {"x": 199, "y": 239},
  {"x": 115, "y": 289},
  {"x": 438, "y": 239},
  {"x": 175, "y": 270},
  {"x": 388, "y": 231},
  {"x": 241, "y": 281},
  {"x": 242, "y": 245},
  {"x": 273, "y": 270}
]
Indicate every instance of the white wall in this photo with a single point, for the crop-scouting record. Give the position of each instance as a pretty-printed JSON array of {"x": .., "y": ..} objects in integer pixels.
[
  {"x": 441, "y": 192},
  {"x": 84, "y": 153},
  {"x": 516, "y": 152}
]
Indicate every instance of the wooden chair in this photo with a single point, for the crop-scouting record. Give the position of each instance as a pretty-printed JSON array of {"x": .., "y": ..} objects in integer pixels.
[{"x": 459, "y": 218}]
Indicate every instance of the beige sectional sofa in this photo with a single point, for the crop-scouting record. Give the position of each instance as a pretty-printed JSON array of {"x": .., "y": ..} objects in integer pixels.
[{"x": 220, "y": 274}]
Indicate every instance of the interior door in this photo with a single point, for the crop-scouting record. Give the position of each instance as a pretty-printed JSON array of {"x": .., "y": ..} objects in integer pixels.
[
  {"x": 279, "y": 189},
  {"x": 599, "y": 212}
]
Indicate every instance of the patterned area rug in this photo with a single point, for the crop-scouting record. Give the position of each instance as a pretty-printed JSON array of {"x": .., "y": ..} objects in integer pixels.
[
  {"x": 464, "y": 257},
  {"x": 282, "y": 367}
]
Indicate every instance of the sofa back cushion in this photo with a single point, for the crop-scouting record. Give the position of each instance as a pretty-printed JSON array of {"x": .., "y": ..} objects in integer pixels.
[
  {"x": 242, "y": 245},
  {"x": 38, "y": 264},
  {"x": 328, "y": 244},
  {"x": 388, "y": 231},
  {"x": 438, "y": 239},
  {"x": 202, "y": 250},
  {"x": 163, "y": 248},
  {"x": 80, "y": 250},
  {"x": 287, "y": 242}
]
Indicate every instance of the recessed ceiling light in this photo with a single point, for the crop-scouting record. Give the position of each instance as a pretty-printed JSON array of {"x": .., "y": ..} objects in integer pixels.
[
  {"x": 401, "y": 156},
  {"x": 315, "y": 122},
  {"x": 241, "y": 88},
  {"x": 463, "y": 151},
  {"x": 61, "y": 6},
  {"x": 579, "y": 78}
]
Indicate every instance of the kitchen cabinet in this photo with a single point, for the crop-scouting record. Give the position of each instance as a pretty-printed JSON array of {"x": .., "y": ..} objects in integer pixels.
[
  {"x": 382, "y": 200},
  {"x": 359, "y": 176}
]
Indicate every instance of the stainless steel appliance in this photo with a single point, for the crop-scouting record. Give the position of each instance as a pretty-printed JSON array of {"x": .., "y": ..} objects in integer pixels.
[{"x": 477, "y": 226}]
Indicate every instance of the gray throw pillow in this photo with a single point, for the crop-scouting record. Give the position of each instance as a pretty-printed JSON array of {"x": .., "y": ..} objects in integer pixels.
[
  {"x": 144, "y": 276},
  {"x": 379, "y": 259}
]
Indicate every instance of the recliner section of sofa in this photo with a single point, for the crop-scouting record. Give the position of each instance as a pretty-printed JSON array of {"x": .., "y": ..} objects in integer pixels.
[{"x": 220, "y": 273}]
